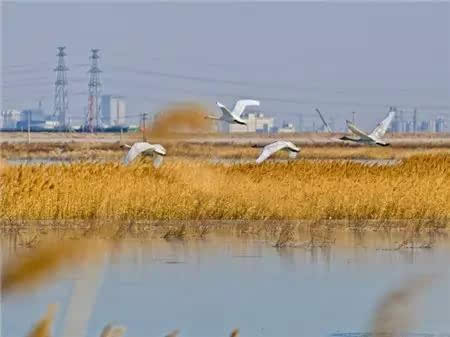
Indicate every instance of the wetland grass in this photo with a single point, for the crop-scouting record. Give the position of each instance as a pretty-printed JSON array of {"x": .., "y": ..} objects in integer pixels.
[{"x": 417, "y": 188}]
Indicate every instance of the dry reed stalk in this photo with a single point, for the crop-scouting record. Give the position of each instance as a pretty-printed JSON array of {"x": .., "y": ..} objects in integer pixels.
[
  {"x": 286, "y": 237},
  {"x": 395, "y": 312},
  {"x": 234, "y": 333},
  {"x": 26, "y": 272},
  {"x": 44, "y": 326},
  {"x": 112, "y": 330},
  {"x": 83, "y": 298},
  {"x": 174, "y": 333}
]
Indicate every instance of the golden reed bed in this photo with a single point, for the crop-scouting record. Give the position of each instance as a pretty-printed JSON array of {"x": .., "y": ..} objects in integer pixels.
[{"x": 418, "y": 188}]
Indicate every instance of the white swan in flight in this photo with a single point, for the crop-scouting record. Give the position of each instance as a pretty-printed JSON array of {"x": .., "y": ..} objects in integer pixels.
[
  {"x": 156, "y": 150},
  {"x": 234, "y": 117},
  {"x": 375, "y": 137},
  {"x": 270, "y": 149}
]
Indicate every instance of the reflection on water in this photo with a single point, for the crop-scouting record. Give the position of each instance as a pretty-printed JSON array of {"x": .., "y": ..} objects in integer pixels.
[{"x": 209, "y": 287}]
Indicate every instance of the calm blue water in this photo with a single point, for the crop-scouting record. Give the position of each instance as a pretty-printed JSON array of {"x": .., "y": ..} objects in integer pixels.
[{"x": 207, "y": 288}]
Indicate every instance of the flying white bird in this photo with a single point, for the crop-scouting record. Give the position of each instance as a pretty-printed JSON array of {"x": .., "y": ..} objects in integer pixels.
[
  {"x": 270, "y": 149},
  {"x": 234, "y": 117},
  {"x": 374, "y": 138},
  {"x": 156, "y": 150}
]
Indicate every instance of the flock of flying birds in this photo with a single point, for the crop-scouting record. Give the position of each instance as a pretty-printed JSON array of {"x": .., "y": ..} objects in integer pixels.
[{"x": 157, "y": 151}]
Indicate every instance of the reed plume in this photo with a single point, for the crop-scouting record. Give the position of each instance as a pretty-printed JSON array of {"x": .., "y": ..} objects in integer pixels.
[
  {"x": 28, "y": 271},
  {"x": 395, "y": 314},
  {"x": 44, "y": 326},
  {"x": 111, "y": 330},
  {"x": 180, "y": 118},
  {"x": 174, "y": 333},
  {"x": 234, "y": 333}
]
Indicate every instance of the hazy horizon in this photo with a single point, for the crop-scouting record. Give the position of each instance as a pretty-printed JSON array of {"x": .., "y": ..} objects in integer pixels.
[{"x": 293, "y": 57}]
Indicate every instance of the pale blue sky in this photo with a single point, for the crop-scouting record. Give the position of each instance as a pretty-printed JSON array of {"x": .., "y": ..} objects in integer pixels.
[{"x": 340, "y": 57}]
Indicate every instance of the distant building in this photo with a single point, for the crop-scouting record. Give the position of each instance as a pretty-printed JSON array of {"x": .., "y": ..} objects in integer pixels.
[
  {"x": 36, "y": 119},
  {"x": 256, "y": 122},
  {"x": 113, "y": 110},
  {"x": 409, "y": 126},
  {"x": 424, "y": 126},
  {"x": 287, "y": 128},
  {"x": 439, "y": 125},
  {"x": 35, "y": 115},
  {"x": 9, "y": 119}
]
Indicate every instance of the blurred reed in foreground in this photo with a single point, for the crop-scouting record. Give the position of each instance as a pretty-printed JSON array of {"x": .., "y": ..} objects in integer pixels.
[
  {"x": 27, "y": 271},
  {"x": 44, "y": 326}
]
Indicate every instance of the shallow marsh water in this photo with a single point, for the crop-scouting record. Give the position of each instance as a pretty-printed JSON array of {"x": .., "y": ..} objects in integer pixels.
[
  {"x": 214, "y": 160},
  {"x": 206, "y": 288}
]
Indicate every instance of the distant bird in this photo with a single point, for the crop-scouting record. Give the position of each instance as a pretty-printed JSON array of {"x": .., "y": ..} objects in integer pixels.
[
  {"x": 374, "y": 138},
  {"x": 270, "y": 149},
  {"x": 156, "y": 150},
  {"x": 234, "y": 117}
]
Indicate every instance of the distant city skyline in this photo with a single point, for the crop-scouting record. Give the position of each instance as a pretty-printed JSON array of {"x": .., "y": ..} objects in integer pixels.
[{"x": 293, "y": 57}]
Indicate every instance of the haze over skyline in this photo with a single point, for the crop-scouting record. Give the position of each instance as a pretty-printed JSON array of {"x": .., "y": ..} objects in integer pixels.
[{"x": 293, "y": 57}]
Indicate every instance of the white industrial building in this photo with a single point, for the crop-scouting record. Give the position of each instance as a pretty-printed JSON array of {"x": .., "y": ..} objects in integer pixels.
[
  {"x": 9, "y": 118},
  {"x": 256, "y": 122},
  {"x": 287, "y": 128},
  {"x": 113, "y": 110}
]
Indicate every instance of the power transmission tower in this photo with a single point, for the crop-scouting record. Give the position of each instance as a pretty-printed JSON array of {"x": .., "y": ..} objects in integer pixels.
[
  {"x": 95, "y": 86},
  {"x": 61, "y": 105},
  {"x": 415, "y": 121}
]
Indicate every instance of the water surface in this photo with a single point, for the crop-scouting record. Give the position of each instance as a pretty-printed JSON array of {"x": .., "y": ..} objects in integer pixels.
[{"x": 206, "y": 288}]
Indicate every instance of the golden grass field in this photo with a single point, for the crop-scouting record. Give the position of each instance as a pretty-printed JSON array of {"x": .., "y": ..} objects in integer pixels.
[{"x": 417, "y": 188}]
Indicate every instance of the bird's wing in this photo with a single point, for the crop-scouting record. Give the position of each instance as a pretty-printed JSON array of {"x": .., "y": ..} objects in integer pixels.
[
  {"x": 270, "y": 149},
  {"x": 292, "y": 147},
  {"x": 352, "y": 127},
  {"x": 136, "y": 150},
  {"x": 157, "y": 160},
  {"x": 158, "y": 148},
  {"x": 226, "y": 114},
  {"x": 325, "y": 124},
  {"x": 242, "y": 104},
  {"x": 382, "y": 127}
]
